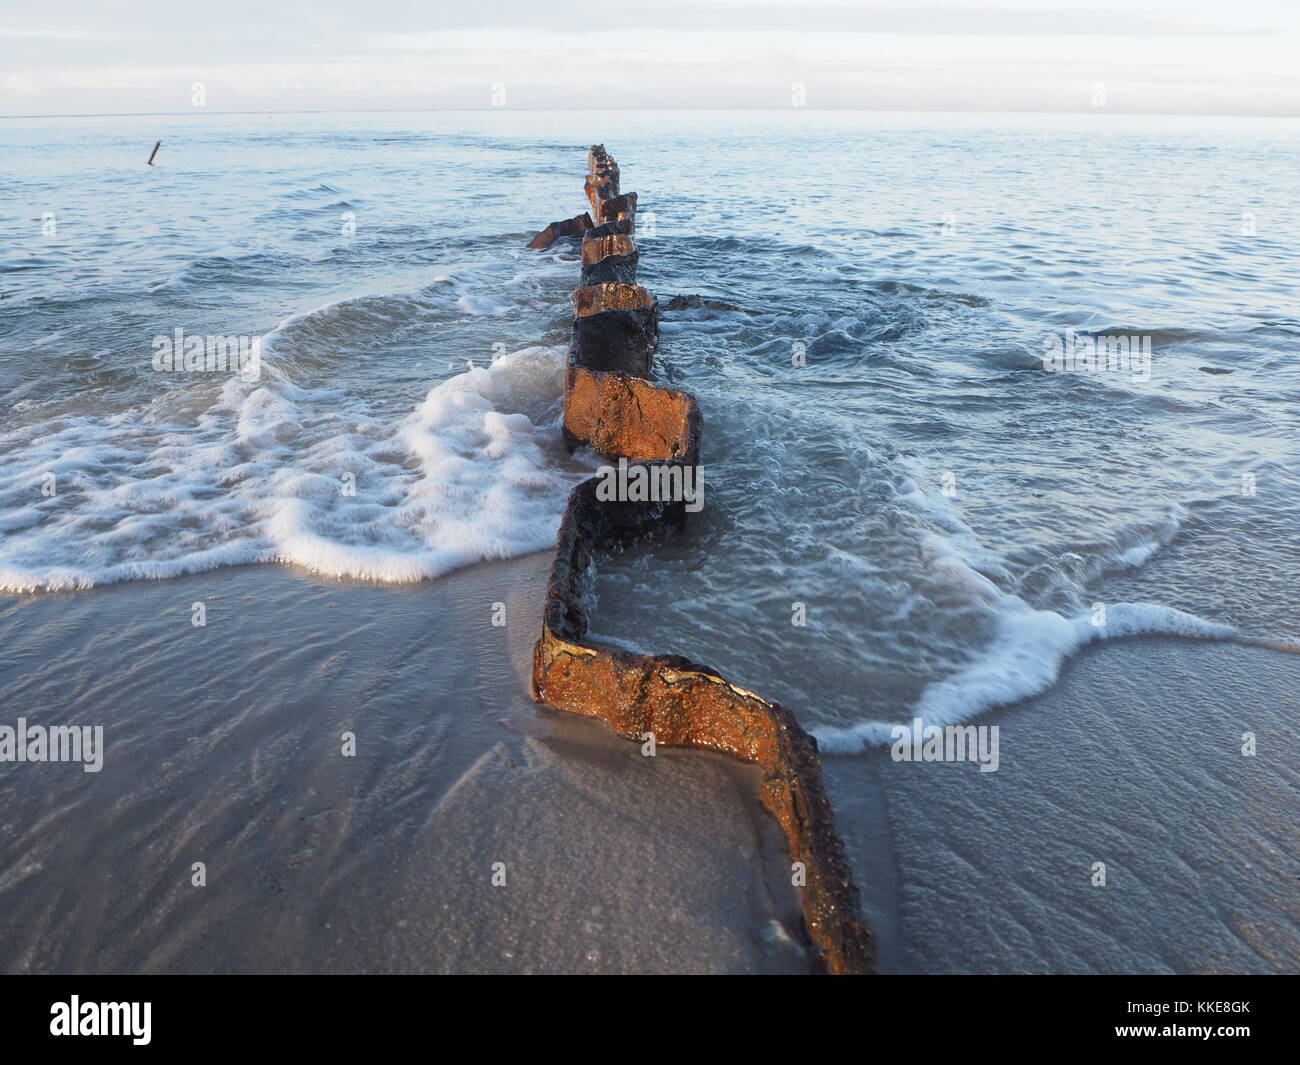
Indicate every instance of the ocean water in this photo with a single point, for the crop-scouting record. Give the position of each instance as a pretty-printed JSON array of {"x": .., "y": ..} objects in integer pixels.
[{"x": 887, "y": 459}]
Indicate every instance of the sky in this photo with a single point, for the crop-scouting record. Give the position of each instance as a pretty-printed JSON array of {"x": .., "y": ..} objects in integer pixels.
[{"x": 1132, "y": 56}]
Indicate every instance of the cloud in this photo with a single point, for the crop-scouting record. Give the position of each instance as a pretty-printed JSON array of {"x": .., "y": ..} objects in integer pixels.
[
  {"x": 943, "y": 54},
  {"x": 13, "y": 33}
]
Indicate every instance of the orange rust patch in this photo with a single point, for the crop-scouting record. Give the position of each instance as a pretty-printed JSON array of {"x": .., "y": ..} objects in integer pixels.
[
  {"x": 601, "y": 185},
  {"x": 615, "y": 208},
  {"x": 618, "y": 414},
  {"x": 689, "y": 705},
  {"x": 612, "y": 295},
  {"x": 596, "y": 248}
]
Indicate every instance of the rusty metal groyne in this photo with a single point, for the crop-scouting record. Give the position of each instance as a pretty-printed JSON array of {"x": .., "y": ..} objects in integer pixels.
[{"x": 611, "y": 405}]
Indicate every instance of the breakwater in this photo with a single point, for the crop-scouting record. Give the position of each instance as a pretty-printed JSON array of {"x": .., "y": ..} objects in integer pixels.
[{"x": 612, "y": 405}]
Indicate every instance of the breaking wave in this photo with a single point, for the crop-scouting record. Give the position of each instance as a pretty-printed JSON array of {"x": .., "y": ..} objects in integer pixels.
[{"x": 236, "y": 472}]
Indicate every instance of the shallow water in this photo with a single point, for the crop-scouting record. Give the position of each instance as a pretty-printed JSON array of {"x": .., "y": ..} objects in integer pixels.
[
  {"x": 224, "y": 746},
  {"x": 1133, "y": 760},
  {"x": 948, "y": 513}
]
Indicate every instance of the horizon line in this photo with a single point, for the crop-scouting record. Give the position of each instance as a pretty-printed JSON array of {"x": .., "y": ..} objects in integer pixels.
[{"x": 201, "y": 112}]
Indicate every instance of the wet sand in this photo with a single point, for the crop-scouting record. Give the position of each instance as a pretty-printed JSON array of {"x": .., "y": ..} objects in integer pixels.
[
  {"x": 1133, "y": 759},
  {"x": 223, "y": 746}
]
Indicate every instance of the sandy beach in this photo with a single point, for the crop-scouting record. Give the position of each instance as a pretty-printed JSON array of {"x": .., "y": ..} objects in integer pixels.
[
  {"x": 614, "y": 862},
  {"x": 223, "y": 746},
  {"x": 1133, "y": 759}
]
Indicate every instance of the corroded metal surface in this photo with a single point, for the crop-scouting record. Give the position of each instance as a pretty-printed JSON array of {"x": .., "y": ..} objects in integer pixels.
[
  {"x": 612, "y": 268},
  {"x": 615, "y": 328},
  {"x": 621, "y": 414},
  {"x": 576, "y": 226},
  {"x": 612, "y": 406},
  {"x": 596, "y": 248},
  {"x": 592, "y": 299},
  {"x": 615, "y": 208},
  {"x": 608, "y": 229}
]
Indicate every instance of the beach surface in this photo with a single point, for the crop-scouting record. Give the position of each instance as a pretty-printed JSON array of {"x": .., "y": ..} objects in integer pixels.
[
  {"x": 1133, "y": 759},
  {"x": 223, "y": 746}
]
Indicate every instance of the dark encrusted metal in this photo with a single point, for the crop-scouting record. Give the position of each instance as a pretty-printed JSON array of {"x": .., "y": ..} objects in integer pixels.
[
  {"x": 610, "y": 405},
  {"x": 569, "y": 227}
]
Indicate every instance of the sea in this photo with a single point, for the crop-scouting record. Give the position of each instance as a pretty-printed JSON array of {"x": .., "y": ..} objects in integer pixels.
[{"x": 978, "y": 390}]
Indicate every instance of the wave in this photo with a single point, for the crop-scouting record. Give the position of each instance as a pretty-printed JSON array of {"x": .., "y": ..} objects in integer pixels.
[
  {"x": 1029, "y": 646},
  {"x": 239, "y": 473}
]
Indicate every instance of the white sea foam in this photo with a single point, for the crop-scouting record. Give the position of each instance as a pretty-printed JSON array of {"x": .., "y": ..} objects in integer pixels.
[
  {"x": 481, "y": 303},
  {"x": 1029, "y": 646},
  {"x": 212, "y": 475}
]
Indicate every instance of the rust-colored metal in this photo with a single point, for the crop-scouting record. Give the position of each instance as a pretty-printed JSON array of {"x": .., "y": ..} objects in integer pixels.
[
  {"x": 601, "y": 186},
  {"x": 591, "y": 299},
  {"x": 602, "y": 176},
  {"x": 624, "y": 226},
  {"x": 614, "y": 208},
  {"x": 610, "y": 405},
  {"x": 596, "y": 248},
  {"x": 618, "y": 414},
  {"x": 568, "y": 227}
]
